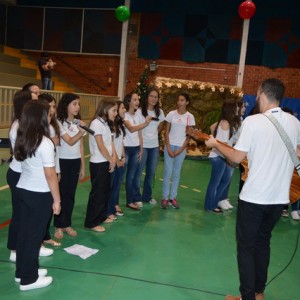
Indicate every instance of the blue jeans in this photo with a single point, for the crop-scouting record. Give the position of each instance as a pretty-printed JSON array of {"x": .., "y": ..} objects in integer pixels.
[
  {"x": 149, "y": 161},
  {"x": 115, "y": 184},
  {"x": 172, "y": 168},
  {"x": 46, "y": 83},
  {"x": 219, "y": 182},
  {"x": 132, "y": 179}
]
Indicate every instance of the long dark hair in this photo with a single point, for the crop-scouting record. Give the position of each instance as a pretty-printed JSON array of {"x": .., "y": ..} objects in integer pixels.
[
  {"x": 48, "y": 98},
  {"x": 33, "y": 127},
  {"x": 127, "y": 100},
  {"x": 62, "y": 108},
  {"x": 119, "y": 121},
  {"x": 144, "y": 103},
  {"x": 231, "y": 114},
  {"x": 102, "y": 111},
  {"x": 20, "y": 99}
]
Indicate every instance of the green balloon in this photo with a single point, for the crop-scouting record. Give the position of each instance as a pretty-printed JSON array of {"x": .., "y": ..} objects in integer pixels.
[{"x": 122, "y": 13}]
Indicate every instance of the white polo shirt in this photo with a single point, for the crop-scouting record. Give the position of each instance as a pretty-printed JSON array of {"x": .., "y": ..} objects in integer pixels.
[
  {"x": 33, "y": 176},
  {"x": 101, "y": 128},
  {"x": 270, "y": 165},
  {"x": 65, "y": 150}
]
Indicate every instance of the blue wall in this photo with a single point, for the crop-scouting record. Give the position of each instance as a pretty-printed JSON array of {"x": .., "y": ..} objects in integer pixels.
[{"x": 291, "y": 103}]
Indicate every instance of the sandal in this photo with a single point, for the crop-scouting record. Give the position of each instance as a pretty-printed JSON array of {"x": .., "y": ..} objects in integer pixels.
[
  {"x": 119, "y": 213},
  {"x": 70, "y": 231},
  {"x": 97, "y": 229},
  {"x": 58, "y": 233},
  {"x": 113, "y": 217},
  {"x": 52, "y": 243},
  {"x": 108, "y": 220},
  {"x": 217, "y": 211}
]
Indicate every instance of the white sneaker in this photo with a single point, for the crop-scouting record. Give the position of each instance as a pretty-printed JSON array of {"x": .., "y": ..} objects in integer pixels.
[
  {"x": 139, "y": 204},
  {"x": 45, "y": 251},
  {"x": 228, "y": 204},
  {"x": 295, "y": 215},
  {"x": 13, "y": 256},
  {"x": 40, "y": 283},
  {"x": 41, "y": 272},
  {"x": 153, "y": 201},
  {"x": 223, "y": 205}
]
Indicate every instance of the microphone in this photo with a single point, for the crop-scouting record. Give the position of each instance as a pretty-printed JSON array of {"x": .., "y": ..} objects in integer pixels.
[{"x": 77, "y": 122}]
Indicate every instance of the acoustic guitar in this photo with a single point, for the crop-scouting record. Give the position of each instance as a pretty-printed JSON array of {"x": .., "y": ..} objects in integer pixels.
[
  {"x": 199, "y": 135},
  {"x": 295, "y": 184}
]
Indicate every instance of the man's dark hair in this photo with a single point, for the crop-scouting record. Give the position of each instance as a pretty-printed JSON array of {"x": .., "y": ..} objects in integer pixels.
[{"x": 273, "y": 88}]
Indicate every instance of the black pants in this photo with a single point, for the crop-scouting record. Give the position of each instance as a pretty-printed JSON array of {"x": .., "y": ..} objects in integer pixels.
[
  {"x": 70, "y": 169},
  {"x": 12, "y": 178},
  {"x": 253, "y": 232},
  {"x": 35, "y": 211},
  {"x": 96, "y": 211}
]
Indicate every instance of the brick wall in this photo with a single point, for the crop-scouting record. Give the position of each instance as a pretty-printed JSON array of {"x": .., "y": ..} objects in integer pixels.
[{"x": 97, "y": 68}]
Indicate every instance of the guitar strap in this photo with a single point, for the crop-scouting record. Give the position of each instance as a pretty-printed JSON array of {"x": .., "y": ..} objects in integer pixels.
[{"x": 287, "y": 142}]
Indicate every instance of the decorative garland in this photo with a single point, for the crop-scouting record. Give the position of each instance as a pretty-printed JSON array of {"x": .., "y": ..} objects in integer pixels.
[{"x": 163, "y": 82}]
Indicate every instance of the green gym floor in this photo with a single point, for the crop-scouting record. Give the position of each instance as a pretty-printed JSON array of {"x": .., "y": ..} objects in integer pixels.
[{"x": 157, "y": 254}]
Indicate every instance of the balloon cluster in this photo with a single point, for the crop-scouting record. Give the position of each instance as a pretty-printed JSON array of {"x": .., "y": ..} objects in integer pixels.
[
  {"x": 247, "y": 9},
  {"x": 122, "y": 13}
]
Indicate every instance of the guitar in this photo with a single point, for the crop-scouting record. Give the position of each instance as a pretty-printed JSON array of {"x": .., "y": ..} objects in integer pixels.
[
  {"x": 199, "y": 135},
  {"x": 294, "y": 188}
]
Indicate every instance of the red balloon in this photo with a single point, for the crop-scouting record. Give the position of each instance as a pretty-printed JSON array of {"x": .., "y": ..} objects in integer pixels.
[{"x": 247, "y": 10}]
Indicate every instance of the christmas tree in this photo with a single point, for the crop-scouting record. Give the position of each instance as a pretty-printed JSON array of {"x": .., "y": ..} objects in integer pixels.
[{"x": 143, "y": 84}]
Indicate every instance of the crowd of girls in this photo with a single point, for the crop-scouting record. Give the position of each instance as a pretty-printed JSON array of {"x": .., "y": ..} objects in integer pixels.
[{"x": 48, "y": 160}]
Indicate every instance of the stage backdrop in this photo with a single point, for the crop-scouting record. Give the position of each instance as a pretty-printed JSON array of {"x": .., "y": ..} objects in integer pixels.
[
  {"x": 206, "y": 98},
  {"x": 291, "y": 103}
]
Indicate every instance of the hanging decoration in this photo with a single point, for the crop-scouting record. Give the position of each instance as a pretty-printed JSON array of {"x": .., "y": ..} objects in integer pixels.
[
  {"x": 247, "y": 9},
  {"x": 122, "y": 13}
]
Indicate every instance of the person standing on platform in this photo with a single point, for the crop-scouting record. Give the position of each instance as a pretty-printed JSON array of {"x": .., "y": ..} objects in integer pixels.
[
  {"x": 266, "y": 189},
  {"x": 45, "y": 66}
]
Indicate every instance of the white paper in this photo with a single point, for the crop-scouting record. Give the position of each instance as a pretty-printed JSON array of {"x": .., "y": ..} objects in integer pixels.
[{"x": 80, "y": 250}]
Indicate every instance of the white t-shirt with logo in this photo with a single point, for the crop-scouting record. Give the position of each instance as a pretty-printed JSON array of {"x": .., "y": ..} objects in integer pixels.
[
  {"x": 101, "y": 128},
  {"x": 150, "y": 133},
  {"x": 270, "y": 165},
  {"x": 177, "y": 134}
]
